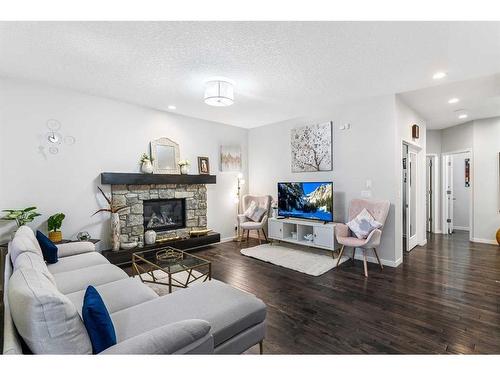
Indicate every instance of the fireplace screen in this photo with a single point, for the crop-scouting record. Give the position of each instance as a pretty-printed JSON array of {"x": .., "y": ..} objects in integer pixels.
[{"x": 164, "y": 214}]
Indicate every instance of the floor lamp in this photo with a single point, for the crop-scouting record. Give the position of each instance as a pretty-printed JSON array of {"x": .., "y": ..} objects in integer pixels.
[{"x": 241, "y": 182}]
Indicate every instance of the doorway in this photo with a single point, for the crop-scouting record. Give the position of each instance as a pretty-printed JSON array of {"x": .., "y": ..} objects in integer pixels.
[
  {"x": 410, "y": 197},
  {"x": 457, "y": 192},
  {"x": 431, "y": 192}
]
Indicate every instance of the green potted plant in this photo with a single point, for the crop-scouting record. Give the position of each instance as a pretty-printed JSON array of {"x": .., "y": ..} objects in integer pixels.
[
  {"x": 54, "y": 224},
  {"x": 21, "y": 216},
  {"x": 146, "y": 163}
]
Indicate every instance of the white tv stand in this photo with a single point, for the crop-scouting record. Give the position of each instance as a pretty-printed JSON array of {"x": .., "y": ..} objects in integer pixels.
[{"x": 323, "y": 234}]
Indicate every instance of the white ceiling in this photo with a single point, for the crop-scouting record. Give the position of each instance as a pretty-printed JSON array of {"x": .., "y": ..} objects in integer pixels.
[
  {"x": 479, "y": 98},
  {"x": 282, "y": 70}
]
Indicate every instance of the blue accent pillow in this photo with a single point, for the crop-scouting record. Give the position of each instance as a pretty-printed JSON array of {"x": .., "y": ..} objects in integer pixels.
[
  {"x": 49, "y": 250},
  {"x": 97, "y": 321}
]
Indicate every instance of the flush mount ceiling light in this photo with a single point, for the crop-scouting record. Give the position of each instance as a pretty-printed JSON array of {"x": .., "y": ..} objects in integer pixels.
[
  {"x": 453, "y": 100},
  {"x": 439, "y": 75},
  {"x": 219, "y": 92}
]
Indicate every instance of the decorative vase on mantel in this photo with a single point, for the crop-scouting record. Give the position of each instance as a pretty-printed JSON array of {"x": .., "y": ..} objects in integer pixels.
[
  {"x": 115, "y": 231},
  {"x": 147, "y": 167},
  {"x": 185, "y": 169}
]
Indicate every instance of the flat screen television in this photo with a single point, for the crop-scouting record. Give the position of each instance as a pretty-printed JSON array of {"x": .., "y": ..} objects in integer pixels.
[{"x": 306, "y": 200}]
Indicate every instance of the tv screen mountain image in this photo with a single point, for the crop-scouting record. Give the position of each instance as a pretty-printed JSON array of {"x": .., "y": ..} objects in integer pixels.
[{"x": 306, "y": 200}]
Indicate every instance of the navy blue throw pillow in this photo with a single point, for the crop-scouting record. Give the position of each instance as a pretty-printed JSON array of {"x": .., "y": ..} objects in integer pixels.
[
  {"x": 49, "y": 250},
  {"x": 97, "y": 321}
]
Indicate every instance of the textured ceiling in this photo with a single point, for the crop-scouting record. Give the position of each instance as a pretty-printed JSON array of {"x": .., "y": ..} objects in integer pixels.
[
  {"x": 479, "y": 98},
  {"x": 282, "y": 70}
]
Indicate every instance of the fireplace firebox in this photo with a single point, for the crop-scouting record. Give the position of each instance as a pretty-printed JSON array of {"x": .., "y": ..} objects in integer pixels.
[{"x": 164, "y": 214}]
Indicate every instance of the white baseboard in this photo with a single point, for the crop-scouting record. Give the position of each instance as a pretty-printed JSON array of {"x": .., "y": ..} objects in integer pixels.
[
  {"x": 460, "y": 228},
  {"x": 437, "y": 231},
  {"x": 372, "y": 259},
  {"x": 484, "y": 240},
  {"x": 226, "y": 239},
  {"x": 423, "y": 243}
]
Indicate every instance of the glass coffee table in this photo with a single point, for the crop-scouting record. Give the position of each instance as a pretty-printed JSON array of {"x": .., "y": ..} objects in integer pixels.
[{"x": 171, "y": 267}]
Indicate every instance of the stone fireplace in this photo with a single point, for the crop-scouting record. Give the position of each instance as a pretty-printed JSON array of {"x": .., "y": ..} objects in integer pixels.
[{"x": 172, "y": 209}]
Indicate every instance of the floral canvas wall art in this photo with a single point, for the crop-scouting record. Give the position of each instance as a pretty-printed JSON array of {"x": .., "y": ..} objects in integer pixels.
[{"x": 312, "y": 148}]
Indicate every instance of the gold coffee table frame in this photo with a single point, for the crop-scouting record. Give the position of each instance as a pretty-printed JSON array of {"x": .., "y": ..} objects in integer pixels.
[{"x": 147, "y": 262}]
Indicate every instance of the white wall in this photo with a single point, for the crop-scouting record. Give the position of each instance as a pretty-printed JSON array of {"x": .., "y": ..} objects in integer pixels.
[
  {"x": 405, "y": 118},
  {"x": 485, "y": 171},
  {"x": 457, "y": 138},
  {"x": 110, "y": 137},
  {"x": 433, "y": 146},
  {"x": 362, "y": 153},
  {"x": 461, "y": 194}
]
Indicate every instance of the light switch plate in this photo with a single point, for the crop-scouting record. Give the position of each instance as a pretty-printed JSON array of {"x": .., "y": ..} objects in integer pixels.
[{"x": 366, "y": 194}]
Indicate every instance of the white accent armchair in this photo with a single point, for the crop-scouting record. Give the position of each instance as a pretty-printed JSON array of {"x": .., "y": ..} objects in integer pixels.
[{"x": 245, "y": 224}]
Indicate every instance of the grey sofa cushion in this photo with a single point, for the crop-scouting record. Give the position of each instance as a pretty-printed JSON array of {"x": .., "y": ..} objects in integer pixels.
[
  {"x": 175, "y": 338},
  {"x": 46, "y": 320},
  {"x": 33, "y": 261},
  {"x": 73, "y": 281},
  {"x": 228, "y": 310},
  {"x": 76, "y": 262},
  {"x": 117, "y": 295},
  {"x": 21, "y": 244}
]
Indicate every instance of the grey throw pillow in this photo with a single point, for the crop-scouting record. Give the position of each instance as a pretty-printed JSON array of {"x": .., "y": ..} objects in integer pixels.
[
  {"x": 363, "y": 224},
  {"x": 258, "y": 214}
]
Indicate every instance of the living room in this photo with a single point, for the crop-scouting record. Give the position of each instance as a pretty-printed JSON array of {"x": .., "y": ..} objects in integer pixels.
[{"x": 249, "y": 187}]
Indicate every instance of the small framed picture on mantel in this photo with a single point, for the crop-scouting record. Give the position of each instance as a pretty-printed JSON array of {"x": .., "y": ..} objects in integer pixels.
[{"x": 203, "y": 165}]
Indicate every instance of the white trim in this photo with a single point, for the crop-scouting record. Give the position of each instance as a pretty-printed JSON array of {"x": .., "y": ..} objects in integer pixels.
[
  {"x": 372, "y": 259},
  {"x": 484, "y": 240},
  {"x": 226, "y": 239},
  {"x": 438, "y": 232},
  {"x": 471, "y": 192},
  {"x": 435, "y": 191},
  {"x": 423, "y": 243},
  {"x": 460, "y": 228}
]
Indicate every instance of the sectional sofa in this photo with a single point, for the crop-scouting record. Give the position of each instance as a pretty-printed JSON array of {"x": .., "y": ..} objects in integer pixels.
[{"x": 43, "y": 307}]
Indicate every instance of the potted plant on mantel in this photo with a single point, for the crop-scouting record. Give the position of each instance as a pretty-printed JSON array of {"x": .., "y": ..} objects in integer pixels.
[
  {"x": 115, "y": 220},
  {"x": 146, "y": 164},
  {"x": 184, "y": 165},
  {"x": 54, "y": 224}
]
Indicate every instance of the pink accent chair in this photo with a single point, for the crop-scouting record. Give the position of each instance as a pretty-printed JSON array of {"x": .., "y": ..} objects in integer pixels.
[{"x": 379, "y": 210}]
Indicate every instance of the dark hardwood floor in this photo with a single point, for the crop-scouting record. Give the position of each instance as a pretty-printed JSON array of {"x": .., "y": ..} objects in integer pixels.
[{"x": 444, "y": 298}]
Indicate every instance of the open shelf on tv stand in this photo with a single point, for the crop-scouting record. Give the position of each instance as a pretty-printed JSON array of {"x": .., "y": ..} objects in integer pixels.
[{"x": 323, "y": 233}]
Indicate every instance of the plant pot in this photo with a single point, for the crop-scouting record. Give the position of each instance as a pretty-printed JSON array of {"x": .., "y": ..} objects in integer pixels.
[
  {"x": 115, "y": 231},
  {"x": 147, "y": 167},
  {"x": 184, "y": 169},
  {"x": 55, "y": 236},
  {"x": 498, "y": 236}
]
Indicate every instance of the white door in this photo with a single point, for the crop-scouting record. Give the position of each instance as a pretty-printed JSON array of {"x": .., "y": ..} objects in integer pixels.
[
  {"x": 448, "y": 183},
  {"x": 411, "y": 221},
  {"x": 323, "y": 236},
  {"x": 275, "y": 229}
]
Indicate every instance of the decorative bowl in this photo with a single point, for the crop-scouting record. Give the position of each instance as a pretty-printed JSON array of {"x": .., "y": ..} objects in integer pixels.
[{"x": 128, "y": 245}]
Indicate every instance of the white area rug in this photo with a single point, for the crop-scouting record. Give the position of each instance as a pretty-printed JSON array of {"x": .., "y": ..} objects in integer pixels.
[
  {"x": 310, "y": 261},
  {"x": 162, "y": 290}
]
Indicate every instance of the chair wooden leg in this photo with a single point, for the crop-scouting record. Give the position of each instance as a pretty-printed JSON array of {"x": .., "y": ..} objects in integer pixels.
[
  {"x": 365, "y": 263},
  {"x": 258, "y": 235},
  {"x": 265, "y": 236},
  {"x": 340, "y": 255},
  {"x": 261, "y": 347},
  {"x": 378, "y": 259},
  {"x": 248, "y": 235},
  {"x": 353, "y": 254}
]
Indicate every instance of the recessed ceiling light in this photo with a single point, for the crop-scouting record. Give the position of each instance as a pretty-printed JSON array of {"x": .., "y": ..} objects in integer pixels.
[
  {"x": 453, "y": 100},
  {"x": 462, "y": 116},
  {"x": 439, "y": 75},
  {"x": 172, "y": 107}
]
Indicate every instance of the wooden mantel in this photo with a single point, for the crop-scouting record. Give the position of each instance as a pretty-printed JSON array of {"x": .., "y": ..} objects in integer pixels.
[{"x": 112, "y": 178}]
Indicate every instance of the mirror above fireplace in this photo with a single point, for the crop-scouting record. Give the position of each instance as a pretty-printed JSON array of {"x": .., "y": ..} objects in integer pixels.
[{"x": 165, "y": 154}]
